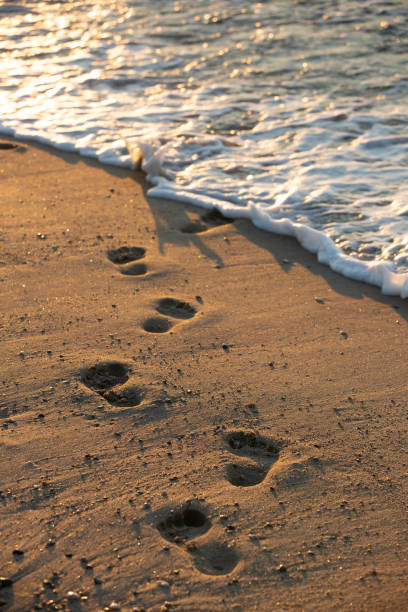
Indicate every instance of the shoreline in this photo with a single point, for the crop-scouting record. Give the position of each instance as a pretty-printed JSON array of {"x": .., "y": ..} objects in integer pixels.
[
  {"x": 265, "y": 407},
  {"x": 372, "y": 272}
]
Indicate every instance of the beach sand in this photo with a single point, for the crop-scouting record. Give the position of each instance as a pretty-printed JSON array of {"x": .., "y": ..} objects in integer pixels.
[{"x": 208, "y": 421}]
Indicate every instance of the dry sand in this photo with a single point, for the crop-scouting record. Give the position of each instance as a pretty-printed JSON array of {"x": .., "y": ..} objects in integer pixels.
[{"x": 243, "y": 449}]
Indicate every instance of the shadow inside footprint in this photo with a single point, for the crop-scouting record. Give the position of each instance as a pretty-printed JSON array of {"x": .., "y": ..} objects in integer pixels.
[
  {"x": 136, "y": 269},
  {"x": 250, "y": 444},
  {"x": 214, "y": 217},
  {"x": 245, "y": 475},
  {"x": 126, "y": 254},
  {"x": 127, "y": 396},
  {"x": 6, "y": 146},
  {"x": 105, "y": 375},
  {"x": 175, "y": 308},
  {"x": 184, "y": 524},
  {"x": 215, "y": 558},
  {"x": 156, "y": 325},
  {"x": 194, "y": 227}
]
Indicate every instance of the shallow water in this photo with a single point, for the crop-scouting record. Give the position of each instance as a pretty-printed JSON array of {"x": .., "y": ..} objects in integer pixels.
[{"x": 292, "y": 114}]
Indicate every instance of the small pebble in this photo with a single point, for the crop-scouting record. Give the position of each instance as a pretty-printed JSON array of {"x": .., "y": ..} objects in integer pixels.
[
  {"x": 5, "y": 583},
  {"x": 282, "y": 568},
  {"x": 73, "y": 596},
  {"x": 319, "y": 300}
]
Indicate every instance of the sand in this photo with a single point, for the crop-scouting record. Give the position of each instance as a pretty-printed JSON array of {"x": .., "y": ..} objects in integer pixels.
[{"x": 201, "y": 421}]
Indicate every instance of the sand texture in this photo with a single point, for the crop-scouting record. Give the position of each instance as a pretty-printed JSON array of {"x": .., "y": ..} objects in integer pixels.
[{"x": 195, "y": 415}]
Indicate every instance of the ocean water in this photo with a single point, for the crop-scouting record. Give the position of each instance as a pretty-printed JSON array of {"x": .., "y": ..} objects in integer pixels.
[{"x": 291, "y": 113}]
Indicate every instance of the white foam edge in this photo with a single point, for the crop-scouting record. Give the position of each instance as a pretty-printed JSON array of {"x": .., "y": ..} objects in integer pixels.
[
  {"x": 378, "y": 273},
  {"x": 142, "y": 155}
]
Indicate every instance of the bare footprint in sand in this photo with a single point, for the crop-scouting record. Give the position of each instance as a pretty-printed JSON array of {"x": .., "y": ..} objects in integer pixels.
[
  {"x": 108, "y": 378},
  {"x": 105, "y": 375},
  {"x": 126, "y": 254},
  {"x": 126, "y": 257},
  {"x": 124, "y": 396},
  {"x": 136, "y": 269},
  {"x": 212, "y": 218},
  {"x": 184, "y": 524},
  {"x": 189, "y": 522},
  {"x": 156, "y": 325},
  {"x": 177, "y": 309},
  {"x": 214, "y": 558},
  {"x": 247, "y": 444},
  {"x": 7, "y": 146}
]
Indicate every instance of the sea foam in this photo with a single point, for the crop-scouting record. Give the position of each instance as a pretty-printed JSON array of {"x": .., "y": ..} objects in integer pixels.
[{"x": 281, "y": 113}]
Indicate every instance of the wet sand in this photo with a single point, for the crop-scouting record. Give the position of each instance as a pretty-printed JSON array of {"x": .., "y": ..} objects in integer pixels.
[{"x": 195, "y": 415}]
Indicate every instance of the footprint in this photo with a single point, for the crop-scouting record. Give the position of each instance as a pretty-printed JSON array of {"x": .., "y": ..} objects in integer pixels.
[
  {"x": 105, "y": 375},
  {"x": 136, "y": 269},
  {"x": 184, "y": 524},
  {"x": 175, "y": 308},
  {"x": 194, "y": 227},
  {"x": 126, "y": 254},
  {"x": 214, "y": 558},
  {"x": 6, "y": 146},
  {"x": 245, "y": 475},
  {"x": 156, "y": 325},
  {"x": 189, "y": 522},
  {"x": 250, "y": 445},
  {"x": 215, "y": 217},
  {"x": 127, "y": 396},
  {"x": 212, "y": 218}
]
